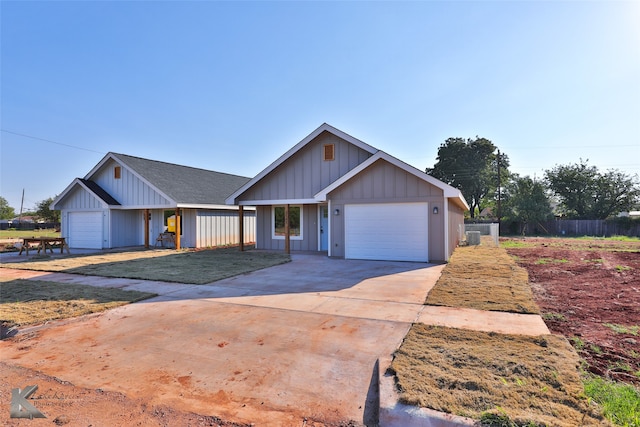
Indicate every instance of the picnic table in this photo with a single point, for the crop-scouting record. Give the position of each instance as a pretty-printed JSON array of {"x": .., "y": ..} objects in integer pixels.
[
  {"x": 43, "y": 243},
  {"x": 170, "y": 238}
]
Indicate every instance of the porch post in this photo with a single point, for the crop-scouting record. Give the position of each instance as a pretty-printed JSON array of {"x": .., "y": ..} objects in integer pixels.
[
  {"x": 241, "y": 226},
  {"x": 178, "y": 230},
  {"x": 287, "y": 230},
  {"x": 146, "y": 228}
]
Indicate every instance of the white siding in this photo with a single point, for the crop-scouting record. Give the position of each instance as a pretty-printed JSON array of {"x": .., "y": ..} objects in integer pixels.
[
  {"x": 128, "y": 190},
  {"x": 126, "y": 227},
  {"x": 220, "y": 228},
  {"x": 81, "y": 199}
]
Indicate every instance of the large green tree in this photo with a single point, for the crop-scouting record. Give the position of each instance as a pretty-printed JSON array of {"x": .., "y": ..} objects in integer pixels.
[
  {"x": 527, "y": 202},
  {"x": 45, "y": 213},
  {"x": 6, "y": 211},
  {"x": 471, "y": 166},
  {"x": 586, "y": 193}
]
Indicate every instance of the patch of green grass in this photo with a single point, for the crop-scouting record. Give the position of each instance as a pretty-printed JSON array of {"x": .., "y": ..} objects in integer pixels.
[
  {"x": 21, "y": 234},
  {"x": 508, "y": 244},
  {"x": 620, "y": 366},
  {"x": 596, "y": 261},
  {"x": 25, "y": 302},
  {"x": 621, "y": 268},
  {"x": 577, "y": 343},
  {"x": 595, "y": 349},
  {"x": 624, "y": 238},
  {"x": 551, "y": 261},
  {"x": 554, "y": 316},
  {"x": 620, "y": 403},
  {"x": 623, "y": 329}
]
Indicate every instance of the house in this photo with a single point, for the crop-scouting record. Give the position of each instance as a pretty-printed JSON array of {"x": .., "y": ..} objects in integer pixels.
[
  {"x": 351, "y": 200},
  {"x": 125, "y": 201}
]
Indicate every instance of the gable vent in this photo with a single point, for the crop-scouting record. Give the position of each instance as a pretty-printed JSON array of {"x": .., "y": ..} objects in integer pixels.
[
  {"x": 117, "y": 172},
  {"x": 329, "y": 152}
]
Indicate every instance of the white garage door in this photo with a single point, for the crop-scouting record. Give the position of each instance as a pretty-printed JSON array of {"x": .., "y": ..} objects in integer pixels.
[
  {"x": 85, "y": 230},
  {"x": 387, "y": 231}
]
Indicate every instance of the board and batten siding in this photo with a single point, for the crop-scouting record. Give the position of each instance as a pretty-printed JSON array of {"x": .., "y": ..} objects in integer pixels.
[
  {"x": 306, "y": 173},
  {"x": 81, "y": 199},
  {"x": 220, "y": 228},
  {"x": 128, "y": 190},
  {"x": 383, "y": 182},
  {"x": 125, "y": 228},
  {"x": 264, "y": 226}
]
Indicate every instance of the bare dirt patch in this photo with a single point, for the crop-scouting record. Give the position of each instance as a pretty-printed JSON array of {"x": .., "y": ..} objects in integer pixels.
[
  {"x": 469, "y": 373},
  {"x": 66, "y": 404},
  {"x": 589, "y": 291},
  {"x": 484, "y": 278}
]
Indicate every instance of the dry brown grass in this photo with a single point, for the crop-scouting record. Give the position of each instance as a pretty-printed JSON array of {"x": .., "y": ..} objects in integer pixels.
[
  {"x": 197, "y": 267},
  {"x": 25, "y": 302},
  {"x": 527, "y": 379},
  {"x": 483, "y": 277}
]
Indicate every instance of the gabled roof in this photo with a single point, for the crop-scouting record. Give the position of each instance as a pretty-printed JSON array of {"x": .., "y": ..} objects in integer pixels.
[
  {"x": 183, "y": 186},
  {"x": 322, "y": 128},
  {"x": 449, "y": 191},
  {"x": 98, "y": 192}
]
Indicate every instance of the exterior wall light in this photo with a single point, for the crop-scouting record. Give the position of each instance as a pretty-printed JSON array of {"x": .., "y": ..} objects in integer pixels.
[
  {"x": 435, "y": 210},
  {"x": 336, "y": 212}
]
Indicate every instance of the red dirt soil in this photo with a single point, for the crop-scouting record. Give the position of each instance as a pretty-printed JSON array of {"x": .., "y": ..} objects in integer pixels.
[{"x": 581, "y": 285}]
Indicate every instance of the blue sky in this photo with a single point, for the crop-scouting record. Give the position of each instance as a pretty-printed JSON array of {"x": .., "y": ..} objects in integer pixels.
[{"x": 230, "y": 86}]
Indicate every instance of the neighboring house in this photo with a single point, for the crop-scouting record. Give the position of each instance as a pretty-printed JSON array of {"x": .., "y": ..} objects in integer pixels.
[
  {"x": 125, "y": 201},
  {"x": 351, "y": 200}
]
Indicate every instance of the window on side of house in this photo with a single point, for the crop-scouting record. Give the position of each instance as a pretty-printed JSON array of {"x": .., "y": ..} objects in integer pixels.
[
  {"x": 295, "y": 222},
  {"x": 117, "y": 172},
  {"x": 328, "y": 152}
]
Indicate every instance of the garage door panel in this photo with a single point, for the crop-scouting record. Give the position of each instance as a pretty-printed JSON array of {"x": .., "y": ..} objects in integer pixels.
[
  {"x": 390, "y": 231},
  {"x": 85, "y": 230}
]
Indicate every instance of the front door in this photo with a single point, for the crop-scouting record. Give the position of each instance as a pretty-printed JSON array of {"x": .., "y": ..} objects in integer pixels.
[{"x": 324, "y": 228}]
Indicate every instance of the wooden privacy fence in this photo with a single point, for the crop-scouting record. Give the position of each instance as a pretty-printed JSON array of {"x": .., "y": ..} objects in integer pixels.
[{"x": 583, "y": 227}]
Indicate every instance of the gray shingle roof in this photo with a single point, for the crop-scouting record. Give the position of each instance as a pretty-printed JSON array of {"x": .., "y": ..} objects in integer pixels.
[{"x": 184, "y": 184}]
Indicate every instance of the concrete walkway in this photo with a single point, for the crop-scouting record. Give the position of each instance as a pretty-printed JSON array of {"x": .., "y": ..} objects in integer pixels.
[{"x": 273, "y": 347}]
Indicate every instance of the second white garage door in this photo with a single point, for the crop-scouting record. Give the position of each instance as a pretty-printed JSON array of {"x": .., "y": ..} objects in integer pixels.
[
  {"x": 85, "y": 230},
  {"x": 387, "y": 231}
]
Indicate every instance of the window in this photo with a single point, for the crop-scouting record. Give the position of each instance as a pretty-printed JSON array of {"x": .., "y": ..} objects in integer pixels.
[
  {"x": 329, "y": 152},
  {"x": 295, "y": 222},
  {"x": 116, "y": 172}
]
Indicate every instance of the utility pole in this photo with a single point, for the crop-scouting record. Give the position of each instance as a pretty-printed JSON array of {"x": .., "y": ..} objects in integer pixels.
[
  {"x": 499, "y": 192},
  {"x": 21, "y": 205}
]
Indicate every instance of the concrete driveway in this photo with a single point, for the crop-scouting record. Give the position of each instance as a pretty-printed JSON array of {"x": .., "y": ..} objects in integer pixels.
[{"x": 273, "y": 347}]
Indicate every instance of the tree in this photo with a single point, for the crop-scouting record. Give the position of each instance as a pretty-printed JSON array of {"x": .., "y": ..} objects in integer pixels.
[
  {"x": 6, "y": 211},
  {"x": 527, "y": 202},
  {"x": 585, "y": 193},
  {"x": 45, "y": 213},
  {"x": 470, "y": 166}
]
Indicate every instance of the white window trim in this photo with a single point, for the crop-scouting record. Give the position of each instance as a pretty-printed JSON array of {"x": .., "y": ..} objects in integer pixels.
[{"x": 273, "y": 223}]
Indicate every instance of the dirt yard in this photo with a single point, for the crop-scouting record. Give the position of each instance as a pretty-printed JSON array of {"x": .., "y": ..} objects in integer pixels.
[
  {"x": 589, "y": 291},
  {"x": 65, "y": 404}
]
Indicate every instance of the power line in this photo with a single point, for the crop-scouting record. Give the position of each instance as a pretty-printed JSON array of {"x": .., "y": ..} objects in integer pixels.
[{"x": 50, "y": 141}]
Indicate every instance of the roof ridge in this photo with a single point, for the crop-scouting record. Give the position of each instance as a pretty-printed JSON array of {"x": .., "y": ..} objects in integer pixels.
[{"x": 119, "y": 155}]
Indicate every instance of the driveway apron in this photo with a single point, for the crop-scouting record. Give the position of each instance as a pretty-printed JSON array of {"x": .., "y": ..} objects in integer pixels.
[{"x": 273, "y": 347}]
